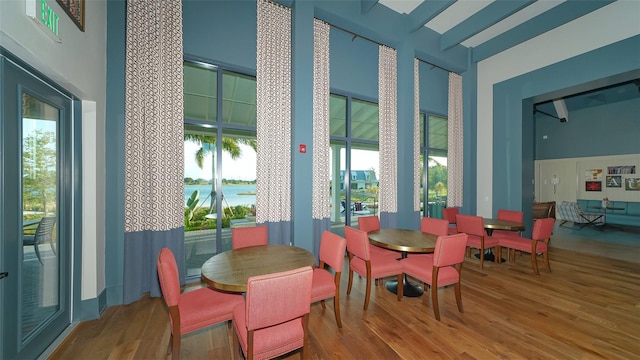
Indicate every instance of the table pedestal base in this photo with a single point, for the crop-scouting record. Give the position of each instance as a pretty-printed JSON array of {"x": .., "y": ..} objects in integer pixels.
[
  {"x": 489, "y": 256},
  {"x": 409, "y": 289}
]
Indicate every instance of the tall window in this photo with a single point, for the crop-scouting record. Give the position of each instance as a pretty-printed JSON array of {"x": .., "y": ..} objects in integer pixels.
[
  {"x": 354, "y": 160},
  {"x": 220, "y": 159},
  {"x": 434, "y": 130}
]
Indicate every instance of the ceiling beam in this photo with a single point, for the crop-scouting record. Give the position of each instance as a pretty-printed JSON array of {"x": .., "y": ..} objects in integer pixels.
[
  {"x": 426, "y": 11},
  {"x": 550, "y": 19},
  {"x": 490, "y": 15},
  {"x": 367, "y": 5}
]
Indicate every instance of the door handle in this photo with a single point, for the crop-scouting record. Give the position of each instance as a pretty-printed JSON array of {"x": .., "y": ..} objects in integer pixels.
[{"x": 3, "y": 275}]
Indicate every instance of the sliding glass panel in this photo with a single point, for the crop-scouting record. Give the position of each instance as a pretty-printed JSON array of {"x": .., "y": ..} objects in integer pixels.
[
  {"x": 437, "y": 165},
  {"x": 363, "y": 181},
  {"x": 238, "y": 194},
  {"x": 40, "y": 265}
]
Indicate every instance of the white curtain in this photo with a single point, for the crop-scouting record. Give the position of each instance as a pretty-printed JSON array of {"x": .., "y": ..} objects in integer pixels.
[
  {"x": 154, "y": 179},
  {"x": 273, "y": 86},
  {"x": 416, "y": 135},
  {"x": 321, "y": 148},
  {"x": 388, "y": 115},
  {"x": 455, "y": 142}
]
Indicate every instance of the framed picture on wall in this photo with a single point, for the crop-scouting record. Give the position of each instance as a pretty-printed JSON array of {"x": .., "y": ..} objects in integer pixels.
[
  {"x": 593, "y": 186},
  {"x": 630, "y": 169},
  {"x": 614, "y": 181},
  {"x": 75, "y": 10},
  {"x": 593, "y": 174},
  {"x": 632, "y": 184}
]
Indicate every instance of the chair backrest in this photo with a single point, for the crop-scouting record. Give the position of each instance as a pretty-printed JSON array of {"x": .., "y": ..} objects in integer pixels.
[
  {"x": 45, "y": 228},
  {"x": 169, "y": 277},
  {"x": 249, "y": 236},
  {"x": 470, "y": 224},
  {"x": 368, "y": 223},
  {"x": 450, "y": 213},
  {"x": 450, "y": 249},
  {"x": 511, "y": 215},
  {"x": 434, "y": 226},
  {"x": 542, "y": 228},
  {"x": 277, "y": 298},
  {"x": 357, "y": 242},
  {"x": 332, "y": 249}
]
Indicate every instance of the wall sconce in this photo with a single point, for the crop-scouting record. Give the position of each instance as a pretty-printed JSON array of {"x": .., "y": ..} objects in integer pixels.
[{"x": 555, "y": 181}]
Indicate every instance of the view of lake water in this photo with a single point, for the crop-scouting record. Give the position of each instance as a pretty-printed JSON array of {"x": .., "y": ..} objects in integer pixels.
[{"x": 232, "y": 194}]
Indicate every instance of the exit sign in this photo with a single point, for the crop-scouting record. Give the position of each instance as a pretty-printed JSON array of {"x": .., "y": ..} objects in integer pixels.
[{"x": 43, "y": 15}]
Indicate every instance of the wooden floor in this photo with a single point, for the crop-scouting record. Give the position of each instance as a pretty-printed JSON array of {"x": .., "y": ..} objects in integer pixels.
[{"x": 587, "y": 308}]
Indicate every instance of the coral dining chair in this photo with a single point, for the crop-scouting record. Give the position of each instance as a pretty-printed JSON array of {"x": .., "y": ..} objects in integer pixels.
[
  {"x": 441, "y": 269},
  {"x": 367, "y": 264},
  {"x": 508, "y": 215},
  {"x": 372, "y": 223},
  {"x": 449, "y": 214},
  {"x": 249, "y": 236},
  {"x": 192, "y": 310},
  {"x": 478, "y": 238},
  {"x": 325, "y": 284},
  {"x": 434, "y": 226},
  {"x": 273, "y": 320},
  {"x": 538, "y": 244}
]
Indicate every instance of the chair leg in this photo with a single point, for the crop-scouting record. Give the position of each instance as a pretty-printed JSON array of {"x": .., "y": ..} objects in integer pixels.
[
  {"x": 175, "y": 347},
  {"x": 481, "y": 258},
  {"x": 458, "y": 296},
  {"x": 368, "y": 293},
  {"x": 434, "y": 301},
  {"x": 350, "y": 282},
  {"x": 36, "y": 247},
  {"x": 545, "y": 255},
  {"x": 336, "y": 310},
  {"x": 534, "y": 263},
  {"x": 323, "y": 305},
  {"x": 400, "y": 288}
]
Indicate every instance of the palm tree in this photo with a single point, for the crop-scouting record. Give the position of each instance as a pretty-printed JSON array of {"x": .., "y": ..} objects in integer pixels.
[{"x": 207, "y": 145}]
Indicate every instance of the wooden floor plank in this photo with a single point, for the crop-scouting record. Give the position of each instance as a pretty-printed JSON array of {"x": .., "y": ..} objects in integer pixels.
[{"x": 587, "y": 307}]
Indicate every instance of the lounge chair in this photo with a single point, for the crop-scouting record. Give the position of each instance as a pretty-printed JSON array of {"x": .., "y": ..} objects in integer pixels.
[{"x": 570, "y": 211}]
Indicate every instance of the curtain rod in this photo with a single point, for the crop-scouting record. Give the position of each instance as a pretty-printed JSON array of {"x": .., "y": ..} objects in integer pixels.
[
  {"x": 437, "y": 66},
  {"x": 379, "y": 43}
]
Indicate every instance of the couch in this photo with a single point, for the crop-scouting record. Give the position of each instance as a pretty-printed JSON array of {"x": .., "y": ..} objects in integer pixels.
[{"x": 628, "y": 215}]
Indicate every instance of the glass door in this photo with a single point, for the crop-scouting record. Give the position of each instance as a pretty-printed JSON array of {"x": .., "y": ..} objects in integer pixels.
[{"x": 35, "y": 213}]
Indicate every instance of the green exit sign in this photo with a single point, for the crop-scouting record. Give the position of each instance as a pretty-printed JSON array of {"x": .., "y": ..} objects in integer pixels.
[{"x": 44, "y": 15}]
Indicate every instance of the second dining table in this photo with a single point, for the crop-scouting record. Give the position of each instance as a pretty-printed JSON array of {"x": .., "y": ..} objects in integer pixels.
[
  {"x": 405, "y": 241},
  {"x": 498, "y": 224},
  {"x": 230, "y": 270}
]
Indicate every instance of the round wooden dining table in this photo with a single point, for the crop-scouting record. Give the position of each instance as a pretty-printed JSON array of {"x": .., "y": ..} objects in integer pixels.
[
  {"x": 497, "y": 224},
  {"x": 230, "y": 270},
  {"x": 405, "y": 241}
]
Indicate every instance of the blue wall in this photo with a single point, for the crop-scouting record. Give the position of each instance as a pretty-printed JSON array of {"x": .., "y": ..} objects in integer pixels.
[
  {"x": 611, "y": 129},
  {"x": 513, "y": 128}
]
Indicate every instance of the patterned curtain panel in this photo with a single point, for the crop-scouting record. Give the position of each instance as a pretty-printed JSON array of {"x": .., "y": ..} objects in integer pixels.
[
  {"x": 273, "y": 85},
  {"x": 321, "y": 204},
  {"x": 455, "y": 142},
  {"x": 154, "y": 194},
  {"x": 416, "y": 135},
  {"x": 388, "y": 104}
]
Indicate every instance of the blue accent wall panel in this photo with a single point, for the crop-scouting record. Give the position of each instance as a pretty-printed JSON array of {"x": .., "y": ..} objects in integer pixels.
[
  {"x": 509, "y": 171},
  {"x": 222, "y": 31},
  {"x": 434, "y": 89},
  {"x": 611, "y": 129},
  {"x": 354, "y": 65}
]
